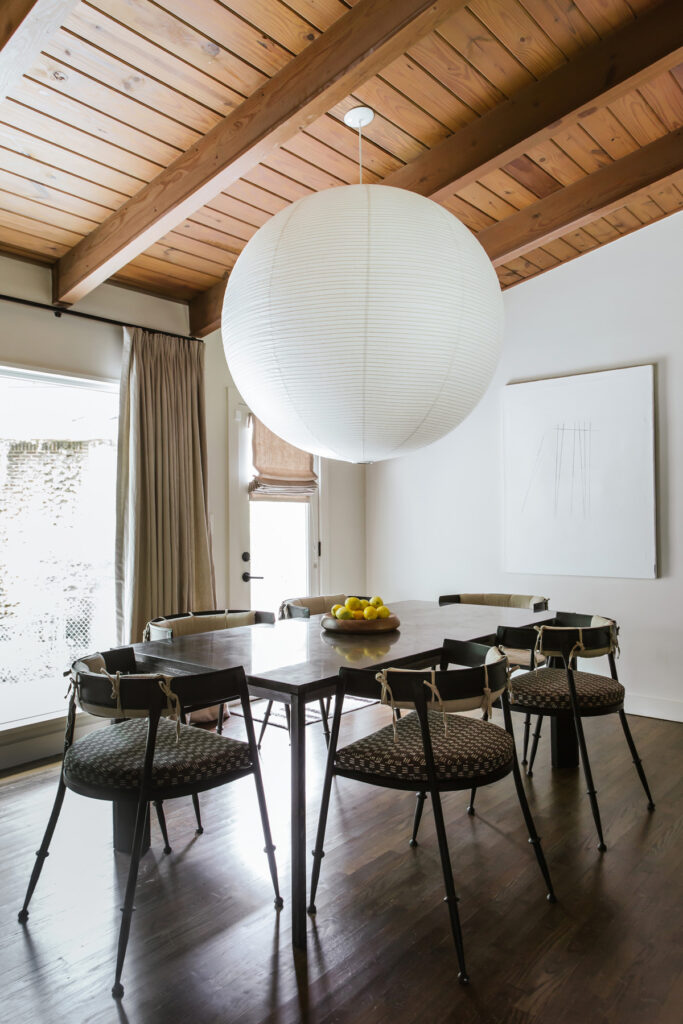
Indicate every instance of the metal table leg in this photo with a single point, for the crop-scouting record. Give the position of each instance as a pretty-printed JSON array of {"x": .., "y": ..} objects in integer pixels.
[{"x": 298, "y": 782}]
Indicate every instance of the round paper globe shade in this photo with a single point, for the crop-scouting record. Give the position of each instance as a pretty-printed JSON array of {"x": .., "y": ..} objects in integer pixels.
[{"x": 362, "y": 323}]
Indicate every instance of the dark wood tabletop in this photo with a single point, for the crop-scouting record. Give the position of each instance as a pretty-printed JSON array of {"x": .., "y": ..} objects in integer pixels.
[{"x": 296, "y": 656}]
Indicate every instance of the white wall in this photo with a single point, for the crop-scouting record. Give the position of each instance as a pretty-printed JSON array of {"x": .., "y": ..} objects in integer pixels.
[{"x": 434, "y": 518}]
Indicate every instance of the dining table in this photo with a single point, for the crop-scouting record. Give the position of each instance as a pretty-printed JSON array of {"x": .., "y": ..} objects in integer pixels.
[{"x": 296, "y": 661}]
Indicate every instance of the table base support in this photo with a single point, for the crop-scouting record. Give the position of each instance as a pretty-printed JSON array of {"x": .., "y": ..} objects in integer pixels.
[
  {"x": 564, "y": 743},
  {"x": 124, "y": 813}
]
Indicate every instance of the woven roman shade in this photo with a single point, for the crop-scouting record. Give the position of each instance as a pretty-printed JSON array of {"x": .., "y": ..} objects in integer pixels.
[{"x": 282, "y": 471}]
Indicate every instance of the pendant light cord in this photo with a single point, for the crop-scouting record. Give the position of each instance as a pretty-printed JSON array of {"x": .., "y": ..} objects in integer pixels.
[{"x": 360, "y": 152}]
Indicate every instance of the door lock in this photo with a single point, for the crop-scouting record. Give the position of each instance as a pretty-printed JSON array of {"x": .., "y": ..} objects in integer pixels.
[{"x": 245, "y": 556}]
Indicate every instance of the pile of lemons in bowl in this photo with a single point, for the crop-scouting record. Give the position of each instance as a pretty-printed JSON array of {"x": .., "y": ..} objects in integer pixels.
[{"x": 360, "y": 608}]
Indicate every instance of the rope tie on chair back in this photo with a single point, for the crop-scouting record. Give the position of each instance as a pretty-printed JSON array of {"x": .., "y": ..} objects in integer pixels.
[
  {"x": 487, "y": 699},
  {"x": 381, "y": 678},
  {"x": 173, "y": 705}
]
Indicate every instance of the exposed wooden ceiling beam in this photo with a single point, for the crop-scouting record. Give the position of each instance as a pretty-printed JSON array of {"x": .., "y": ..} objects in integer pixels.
[
  {"x": 206, "y": 310},
  {"x": 357, "y": 46},
  {"x": 594, "y": 196},
  {"x": 25, "y": 25},
  {"x": 648, "y": 46}
]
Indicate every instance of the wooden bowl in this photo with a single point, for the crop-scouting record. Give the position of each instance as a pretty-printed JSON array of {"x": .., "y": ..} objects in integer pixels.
[{"x": 334, "y": 625}]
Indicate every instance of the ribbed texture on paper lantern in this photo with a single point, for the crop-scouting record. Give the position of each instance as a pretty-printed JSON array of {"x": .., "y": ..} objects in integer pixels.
[{"x": 362, "y": 322}]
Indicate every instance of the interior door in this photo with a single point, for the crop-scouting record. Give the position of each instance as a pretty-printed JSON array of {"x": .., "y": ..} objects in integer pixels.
[{"x": 274, "y": 546}]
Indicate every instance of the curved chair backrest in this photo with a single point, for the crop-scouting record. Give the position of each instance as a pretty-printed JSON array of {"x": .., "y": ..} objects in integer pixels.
[
  {"x": 534, "y": 603},
  {"x": 304, "y": 607},
  {"x": 165, "y": 627},
  {"x": 112, "y": 684},
  {"x": 568, "y": 635},
  {"x": 482, "y": 669}
]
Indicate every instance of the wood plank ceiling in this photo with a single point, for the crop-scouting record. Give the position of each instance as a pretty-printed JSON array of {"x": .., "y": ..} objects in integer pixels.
[{"x": 123, "y": 88}]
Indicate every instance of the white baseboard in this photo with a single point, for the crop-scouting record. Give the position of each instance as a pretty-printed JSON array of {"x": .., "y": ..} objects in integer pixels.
[
  {"x": 37, "y": 740},
  {"x": 654, "y": 707}
]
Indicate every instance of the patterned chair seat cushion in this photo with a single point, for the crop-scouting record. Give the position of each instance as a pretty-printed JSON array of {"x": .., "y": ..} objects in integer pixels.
[
  {"x": 548, "y": 689},
  {"x": 469, "y": 749},
  {"x": 112, "y": 758}
]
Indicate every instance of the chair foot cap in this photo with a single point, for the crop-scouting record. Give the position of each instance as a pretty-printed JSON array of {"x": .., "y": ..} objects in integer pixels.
[
  {"x": 602, "y": 847},
  {"x": 312, "y": 909},
  {"x": 524, "y": 762},
  {"x": 463, "y": 978},
  {"x": 22, "y": 916},
  {"x": 470, "y": 810},
  {"x": 413, "y": 842},
  {"x": 551, "y": 897},
  {"x": 199, "y": 831},
  {"x": 278, "y": 903},
  {"x": 530, "y": 775},
  {"x": 167, "y": 850},
  {"x": 650, "y": 806},
  {"x": 117, "y": 990}
]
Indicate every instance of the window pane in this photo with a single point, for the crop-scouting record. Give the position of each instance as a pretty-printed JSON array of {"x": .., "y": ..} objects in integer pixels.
[{"x": 57, "y": 523}]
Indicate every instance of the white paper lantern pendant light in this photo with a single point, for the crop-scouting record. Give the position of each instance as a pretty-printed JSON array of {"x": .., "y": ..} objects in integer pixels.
[{"x": 363, "y": 322}]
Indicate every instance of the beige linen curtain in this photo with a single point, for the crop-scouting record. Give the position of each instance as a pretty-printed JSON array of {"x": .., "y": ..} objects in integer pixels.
[{"x": 163, "y": 547}]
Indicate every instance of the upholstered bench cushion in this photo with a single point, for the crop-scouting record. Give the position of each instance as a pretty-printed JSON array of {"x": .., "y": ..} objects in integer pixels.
[
  {"x": 547, "y": 688},
  {"x": 469, "y": 749},
  {"x": 112, "y": 758}
]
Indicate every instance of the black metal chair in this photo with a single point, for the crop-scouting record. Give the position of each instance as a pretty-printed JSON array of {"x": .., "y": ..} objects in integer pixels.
[
  {"x": 144, "y": 757},
  {"x": 429, "y": 750},
  {"x": 517, "y": 658},
  {"x": 562, "y": 691}
]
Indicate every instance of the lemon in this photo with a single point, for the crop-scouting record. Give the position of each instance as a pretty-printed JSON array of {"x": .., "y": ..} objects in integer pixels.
[
  {"x": 376, "y": 602},
  {"x": 335, "y": 608},
  {"x": 344, "y": 613},
  {"x": 364, "y": 603},
  {"x": 383, "y": 612},
  {"x": 370, "y": 613},
  {"x": 357, "y": 613},
  {"x": 352, "y": 603}
]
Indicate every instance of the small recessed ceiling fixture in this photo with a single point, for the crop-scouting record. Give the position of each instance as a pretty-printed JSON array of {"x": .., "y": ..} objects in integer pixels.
[{"x": 362, "y": 322}]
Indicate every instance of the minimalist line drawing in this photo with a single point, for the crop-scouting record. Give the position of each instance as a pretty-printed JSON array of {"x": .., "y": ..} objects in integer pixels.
[
  {"x": 579, "y": 475},
  {"x": 573, "y": 445}
]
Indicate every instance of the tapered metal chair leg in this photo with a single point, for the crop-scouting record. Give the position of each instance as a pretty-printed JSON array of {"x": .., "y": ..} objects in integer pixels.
[
  {"x": 318, "y": 851},
  {"x": 527, "y": 728},
  {"x": 195, "y": 803},
  {"x": 219, "y": 723},
  {"x": 419, "y": 806},
  {"x": 451, "y": 897},
  {"x": 470, "y": 806},
  {"x": 534, "y": 745},
  {"x": 43, "y": 852},
  {"x": 588, "y": 775},
  {"x": 534, "y": 837},
  {"x": 636, "y": 760},
  {"x": 326, "y": 724},
  {"x": 138, "y": 835},
  {"x": 264, "y": 723},
  {"x": 269, "y": 848},
  {"x": 159, "y": 807}
]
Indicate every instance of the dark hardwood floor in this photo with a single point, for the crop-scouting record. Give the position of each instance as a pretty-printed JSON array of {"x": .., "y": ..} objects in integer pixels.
[{"x": 207, "y": 945}]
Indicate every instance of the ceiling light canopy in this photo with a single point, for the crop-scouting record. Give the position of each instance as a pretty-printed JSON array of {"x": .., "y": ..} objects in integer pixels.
[{"x": 362, "y": 323}]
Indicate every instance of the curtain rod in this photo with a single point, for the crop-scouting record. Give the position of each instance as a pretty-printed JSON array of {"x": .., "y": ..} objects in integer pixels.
[{"x": 58, "y": 311}]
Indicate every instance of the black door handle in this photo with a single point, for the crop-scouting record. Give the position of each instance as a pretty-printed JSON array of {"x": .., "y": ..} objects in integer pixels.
[{"x": 246, "y": 576}]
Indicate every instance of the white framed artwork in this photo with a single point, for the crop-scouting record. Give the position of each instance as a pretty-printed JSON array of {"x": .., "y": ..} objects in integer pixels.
[{"x": 579, "y": 475}]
